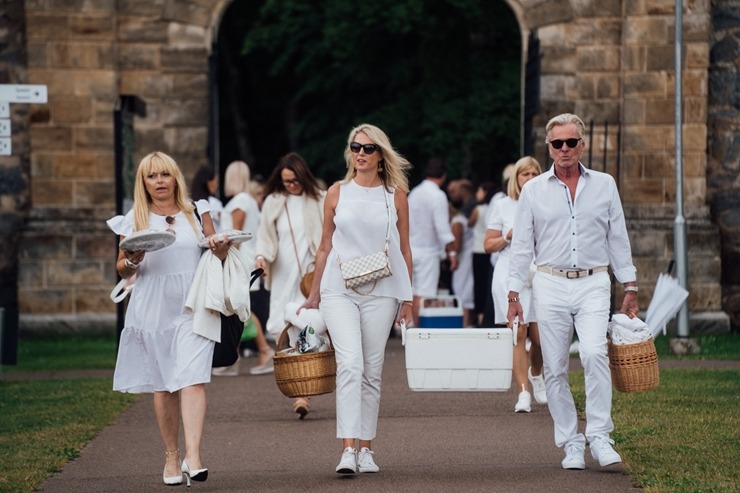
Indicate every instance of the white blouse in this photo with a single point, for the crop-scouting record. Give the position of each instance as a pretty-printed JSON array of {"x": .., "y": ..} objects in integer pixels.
[{"x": 361, "y": 223}]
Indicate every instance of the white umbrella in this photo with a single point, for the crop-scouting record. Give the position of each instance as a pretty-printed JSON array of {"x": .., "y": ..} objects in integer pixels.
[{"x": 668, "y": 298}]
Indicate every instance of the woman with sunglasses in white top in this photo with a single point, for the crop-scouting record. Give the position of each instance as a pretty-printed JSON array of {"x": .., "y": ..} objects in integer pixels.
[{"x": 365, "y": 213}]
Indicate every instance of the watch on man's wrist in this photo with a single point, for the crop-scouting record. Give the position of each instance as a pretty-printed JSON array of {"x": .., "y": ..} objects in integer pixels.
[{"x": 633, "y": 289}]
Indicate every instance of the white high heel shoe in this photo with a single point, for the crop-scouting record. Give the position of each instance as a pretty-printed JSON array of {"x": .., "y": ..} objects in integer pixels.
[
  {"x": 172, "y": 480},
  {"x": 195, "y": 474}
]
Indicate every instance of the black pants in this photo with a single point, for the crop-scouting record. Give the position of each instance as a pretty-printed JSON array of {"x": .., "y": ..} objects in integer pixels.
[
  {"x": 481, "y": 282},
  {"x": 489, "y": 317}
]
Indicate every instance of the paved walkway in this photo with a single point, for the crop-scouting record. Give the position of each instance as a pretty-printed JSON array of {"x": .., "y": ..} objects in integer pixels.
[{"x": 427, "y": 442}]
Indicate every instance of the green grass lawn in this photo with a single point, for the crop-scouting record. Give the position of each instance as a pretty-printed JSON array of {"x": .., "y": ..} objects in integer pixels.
[
  {"x": 45, "y": 423},
  {"x": 683, "y": 436},
  {"x": 60, "y": 353}
]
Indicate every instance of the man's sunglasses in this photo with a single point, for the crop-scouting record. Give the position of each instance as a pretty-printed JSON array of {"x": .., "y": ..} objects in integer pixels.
[
  {"x": 557, "y": 143},
  {"x": 368, "y": 148}
]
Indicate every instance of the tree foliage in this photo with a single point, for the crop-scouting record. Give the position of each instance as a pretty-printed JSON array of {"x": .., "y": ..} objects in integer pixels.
[{"x": 441, "y": 77}]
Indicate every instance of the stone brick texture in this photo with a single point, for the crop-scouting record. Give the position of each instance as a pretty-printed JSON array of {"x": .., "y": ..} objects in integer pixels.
[{"x": 610, "y": 61}]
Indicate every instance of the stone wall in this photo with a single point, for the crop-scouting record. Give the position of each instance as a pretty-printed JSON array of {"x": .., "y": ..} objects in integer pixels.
[
  {"x": 88, "y": 53},
  {"x": 607, "y": 60},
  {"x": 612, "y": 61}
]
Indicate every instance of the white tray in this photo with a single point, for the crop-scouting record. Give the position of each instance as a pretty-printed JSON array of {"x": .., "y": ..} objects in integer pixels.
[
  {"x": 458, "y": 360},
  {"x": 148, "y": 241},
  {"x": 234, "y": 235}
]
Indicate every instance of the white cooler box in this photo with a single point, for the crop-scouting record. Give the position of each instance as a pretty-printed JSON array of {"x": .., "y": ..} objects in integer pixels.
[{"x": 459, "y": 360}]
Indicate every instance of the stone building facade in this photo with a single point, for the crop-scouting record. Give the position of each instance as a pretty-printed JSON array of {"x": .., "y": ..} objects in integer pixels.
[{"x": 606, "y": 60}]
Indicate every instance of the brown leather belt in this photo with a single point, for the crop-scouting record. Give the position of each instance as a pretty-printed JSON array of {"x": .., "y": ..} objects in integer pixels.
[{"x": 571, "y": 274}]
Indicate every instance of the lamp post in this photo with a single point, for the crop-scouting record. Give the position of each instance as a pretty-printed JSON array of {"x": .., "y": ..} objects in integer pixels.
[{"x": 682, "y": 344}]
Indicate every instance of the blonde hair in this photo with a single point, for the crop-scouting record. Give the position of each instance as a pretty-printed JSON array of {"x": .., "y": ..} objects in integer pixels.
[
  {"x": 525, "y": 163},
  {"x": 236, "y": 178},
  {"x": 159, "y": 162},
  {"x": 395, "y": 166}
]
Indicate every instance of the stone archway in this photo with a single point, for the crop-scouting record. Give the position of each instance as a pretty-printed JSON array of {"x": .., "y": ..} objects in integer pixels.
[{"x": 612, "y": 62}]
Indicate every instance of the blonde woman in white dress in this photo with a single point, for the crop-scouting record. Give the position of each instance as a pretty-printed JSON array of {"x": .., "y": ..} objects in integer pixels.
[
  {"x": 498, "y": 239},
  {"x": 159, "y": 351}
]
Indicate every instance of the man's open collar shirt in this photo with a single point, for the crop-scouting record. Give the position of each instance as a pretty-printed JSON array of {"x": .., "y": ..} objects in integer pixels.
[{"x": 585, "y": 233}]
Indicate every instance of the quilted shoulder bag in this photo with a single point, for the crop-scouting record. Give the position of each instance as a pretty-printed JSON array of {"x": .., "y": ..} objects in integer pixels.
[{"x": 368, "y": 268}]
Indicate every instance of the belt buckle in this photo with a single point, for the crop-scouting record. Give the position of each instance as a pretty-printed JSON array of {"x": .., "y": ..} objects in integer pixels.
[{"x": 576, "y": 274}]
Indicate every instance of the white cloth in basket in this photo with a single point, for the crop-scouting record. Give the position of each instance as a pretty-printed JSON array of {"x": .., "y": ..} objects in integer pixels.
[
  {"x": 625, "y": 330},
  {"x": 307, "y": 316}
]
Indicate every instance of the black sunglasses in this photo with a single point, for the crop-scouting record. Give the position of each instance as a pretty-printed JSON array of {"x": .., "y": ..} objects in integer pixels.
[
  {"x": 557, "y": 143},
  {"x": 368, "y": 148}
]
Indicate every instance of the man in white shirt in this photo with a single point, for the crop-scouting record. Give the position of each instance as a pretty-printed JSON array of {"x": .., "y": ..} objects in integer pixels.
[
  {"x": 430, "y": 233},
  {"x": 571, "y": 218}
]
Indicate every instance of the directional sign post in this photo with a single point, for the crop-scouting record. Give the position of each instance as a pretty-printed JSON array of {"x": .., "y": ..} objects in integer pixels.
[
  {"x": 16, "y": 93},
  {"x": 23, "y": 93}
]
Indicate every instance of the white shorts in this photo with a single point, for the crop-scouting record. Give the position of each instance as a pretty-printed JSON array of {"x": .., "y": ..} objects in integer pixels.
[{"x": 426, "y": 275}]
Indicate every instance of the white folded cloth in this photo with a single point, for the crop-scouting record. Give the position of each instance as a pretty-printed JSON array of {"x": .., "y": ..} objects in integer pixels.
[
  {"x": 625, "y": 330},
  {"x": 218, "y": 288}
]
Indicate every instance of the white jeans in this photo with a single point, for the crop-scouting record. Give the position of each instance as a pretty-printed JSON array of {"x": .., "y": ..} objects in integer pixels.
[
  {"x": 359, "y": 327},
  {"x": 560, "y": 304}
]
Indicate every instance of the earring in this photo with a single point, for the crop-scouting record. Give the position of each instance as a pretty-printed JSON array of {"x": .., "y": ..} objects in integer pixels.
[{"x": 380, "y": 168}]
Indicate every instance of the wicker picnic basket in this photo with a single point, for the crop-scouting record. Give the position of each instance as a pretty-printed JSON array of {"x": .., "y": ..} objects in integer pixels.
[
  {"x": 303, "y": 375},
  {"x": 634, "y": 367}
]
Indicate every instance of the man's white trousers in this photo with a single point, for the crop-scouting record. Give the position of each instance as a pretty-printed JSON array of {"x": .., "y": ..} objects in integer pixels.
[{"x": 562, "y": 304}]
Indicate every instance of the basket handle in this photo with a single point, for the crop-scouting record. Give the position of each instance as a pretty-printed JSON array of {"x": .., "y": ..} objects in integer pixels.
[{"x": 282, "y": 340}]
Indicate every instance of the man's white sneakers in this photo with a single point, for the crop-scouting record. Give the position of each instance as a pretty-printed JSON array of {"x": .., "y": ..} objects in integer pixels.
[
  {"x": 574, "y": 456},
  {"x": 602, "y": 451}
]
